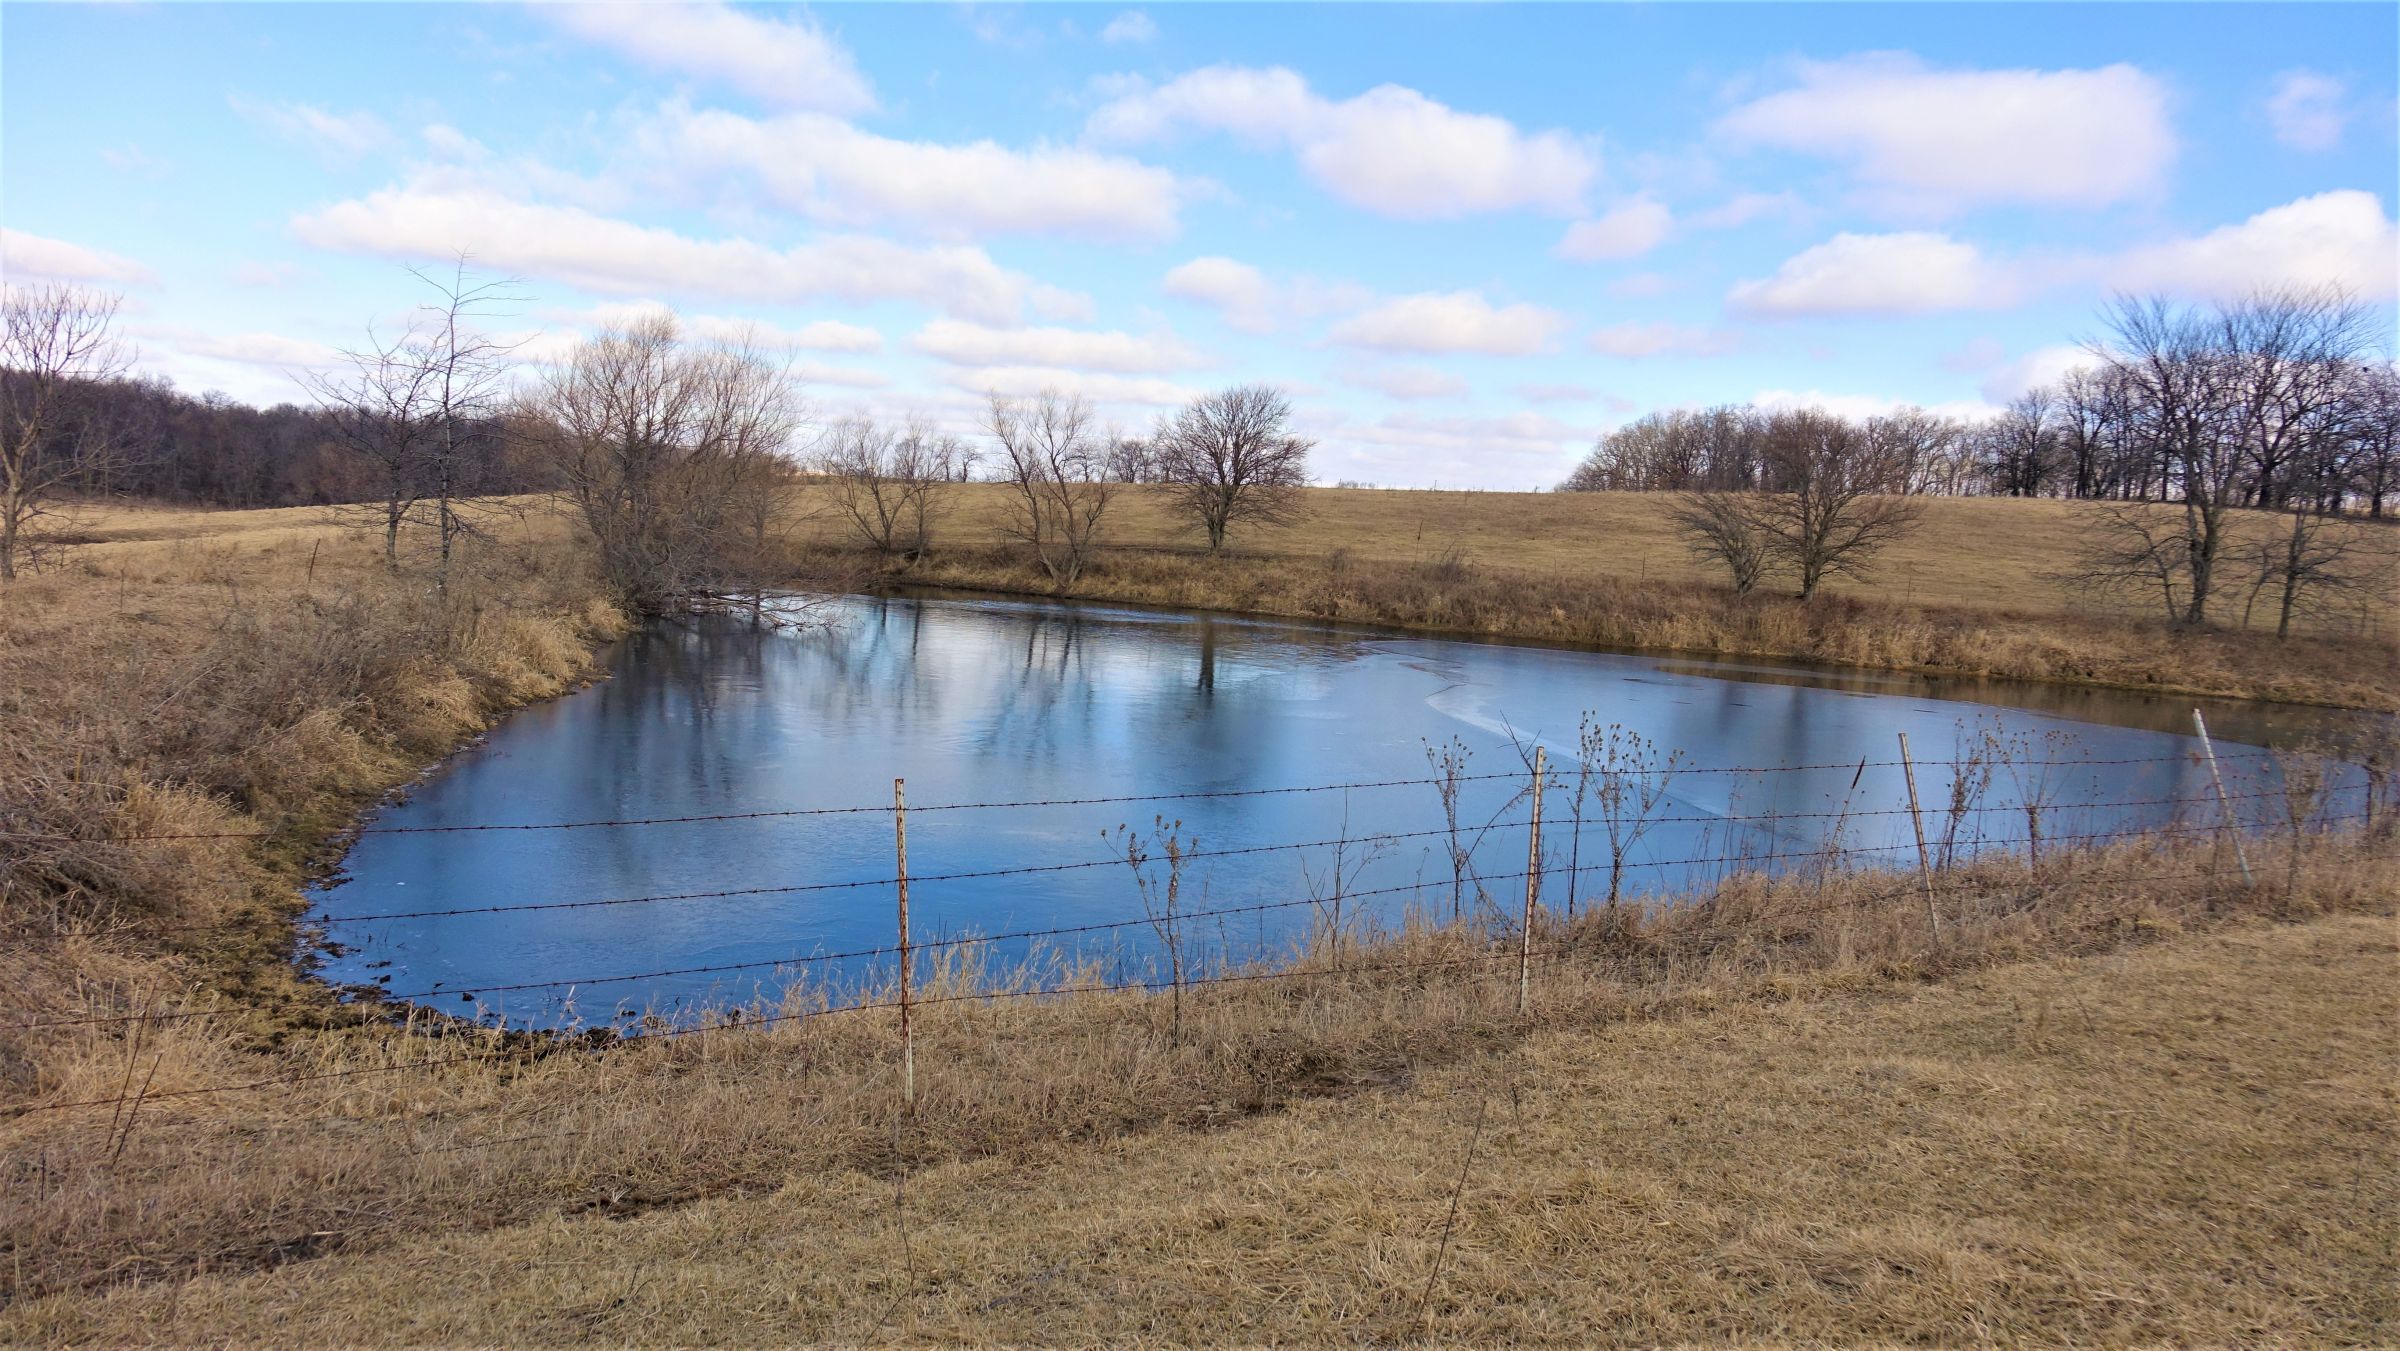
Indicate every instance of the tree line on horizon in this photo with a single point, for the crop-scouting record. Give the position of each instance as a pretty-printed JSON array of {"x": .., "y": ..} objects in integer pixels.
[
  {"x": 2278, "y": 402},
  {"x": 2275, "y": 402},
  {"x": 679, "y": 456}
]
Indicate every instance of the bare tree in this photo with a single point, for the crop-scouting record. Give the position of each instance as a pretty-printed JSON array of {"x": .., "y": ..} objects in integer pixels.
[
  {"x": 1922, "y": 452},
  {"x": 465, "y": 391},
  {"x": 2225, "y": 403},
  {"x": 2135, "y": 547},
  {"x": 1831, "y": 507},
  {"x": 659, "y": 442},
  {"x": 55, "y": 348},
  {"x": 1134, "y": 459},
  {"x": 2315, "y": 566},
  {"x": 1055, "y": 463},
  {"x": 1230, "y": 456},
  {"x": 1724, "y": 528},
  {"x": 420, "y": 412},
  {"x": 892, "y": 487},
  {"x": 2020, "y": 447},
  {"x": 375, "y": 411},
  {"x": 2375, "y": 430}
]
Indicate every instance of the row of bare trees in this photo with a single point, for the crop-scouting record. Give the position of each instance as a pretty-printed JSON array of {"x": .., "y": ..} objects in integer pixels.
[
  {"x": 1830, "y": 496},
  {"x": 2274, "y": 402},
  {"x": 2283, "y": 400},
  {"x": 1225, "y": 459},
  {"x": 673, "y": 455},
  {"x": 676, "y": 456},
  {"x": 1734, "y": 448}
]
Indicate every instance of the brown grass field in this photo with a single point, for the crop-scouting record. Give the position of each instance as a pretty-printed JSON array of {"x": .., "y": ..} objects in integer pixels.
[
  {"x": 1973, "y": 592},
  {"x": 2126, "y": 1100}
]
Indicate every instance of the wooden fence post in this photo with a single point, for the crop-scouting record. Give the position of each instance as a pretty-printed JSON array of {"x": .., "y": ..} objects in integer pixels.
[
  {"x": 1908, "y": 768},
  {"x": 2233, "y": 827},
  {"x": 908, "y": 1038},
  {"x": 1533, "y": 886}
]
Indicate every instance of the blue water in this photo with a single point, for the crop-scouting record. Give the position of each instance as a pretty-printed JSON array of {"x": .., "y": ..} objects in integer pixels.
[{"x": 977, "y": 700}]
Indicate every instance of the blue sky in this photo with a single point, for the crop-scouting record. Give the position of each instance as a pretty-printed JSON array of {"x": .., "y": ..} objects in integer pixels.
[{"x": 1467, "y": 239}]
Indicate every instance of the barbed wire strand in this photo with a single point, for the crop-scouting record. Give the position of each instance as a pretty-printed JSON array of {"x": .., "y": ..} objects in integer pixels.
[
  {"x": 1752, "y": 819},
  {"x": 1827, "y": 851},
  {"x": 539, "y": 1052},
  {"x": 1194, "y": 794}
]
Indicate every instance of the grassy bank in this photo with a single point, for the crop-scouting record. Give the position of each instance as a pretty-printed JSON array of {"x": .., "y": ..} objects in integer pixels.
[
  {"x": 1780, "y": 1113},
  {"x": 259, "y": 675},
  {"x": 1971, "y": 593},
  {"x": 254, "y": 677}
]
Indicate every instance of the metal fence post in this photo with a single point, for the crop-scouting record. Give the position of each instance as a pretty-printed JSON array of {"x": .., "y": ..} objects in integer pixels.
[
  {"x": 2224, "y": 803},
  {"x": 1916, "y": 818},
  {"x": 908, "y": 1038},
  {"x": 1533, "y": 886}
]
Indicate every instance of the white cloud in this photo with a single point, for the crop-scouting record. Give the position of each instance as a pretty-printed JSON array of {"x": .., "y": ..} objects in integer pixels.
[
  {"x": 1641, "y": 285},
  {"x": 260, "y": 349},
  {"x": 1627, "y": 232},
  {"x": 270, "y": 276},
  {"x": 258, "y": 366},
  {"x": 2334, "y": 238},
  {"x": 1237, "y": 291},
  {"x": 1933, "y": 140},
  {"x": 823, "y": 335},
  {"x": 39, "y": 258},
  {"x": 600, "y": 253},
  {"x": 967, "y": 344},
  {"x": 827, "y": 169},
  {"x": 1390, "y": 150},
  {"x": 1743, "y": 208},
  {"x": 1099, "y": 387},
  {"x": 811, "y": 373},
  {"x": 2042, "y": 366},
  {"x": 1456, "y": 321},
  {"x": 789, "y": 64},
  {"x": 1635, "y": 339},
  {"x": 1910, "y": 273},
  {"x": 1130, "y": 26},
  {"x": 1510, "y": 450},
  {"x": 335, "y": 138},
  {"x": 2306, "y": 110},
  {"x": 2340, "y": 238},
  {"x": 1870, "y": 405},
  {"x": 1405, "y": 382},
  {"x": 1554, "y": 393}
]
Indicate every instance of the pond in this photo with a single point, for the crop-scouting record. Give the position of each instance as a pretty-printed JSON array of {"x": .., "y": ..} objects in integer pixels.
[{"x": 784, "y": 743}]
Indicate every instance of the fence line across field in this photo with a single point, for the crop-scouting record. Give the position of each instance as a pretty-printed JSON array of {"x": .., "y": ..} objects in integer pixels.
[
  {"x": 1747, "y": 819},
  {"x": 1126, "y": 799},
  {"x": 1827, "y": 852},
  {"x": 539, "y": 1051}
]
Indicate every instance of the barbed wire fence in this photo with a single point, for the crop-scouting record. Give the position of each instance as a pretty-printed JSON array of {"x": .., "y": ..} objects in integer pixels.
[{"x": 1509, "y": 939}]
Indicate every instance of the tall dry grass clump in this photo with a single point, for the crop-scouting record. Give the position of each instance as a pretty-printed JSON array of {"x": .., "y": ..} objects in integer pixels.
[
  {"x": 420, "y": 1125},
  {"x": 249, "y": 690}
]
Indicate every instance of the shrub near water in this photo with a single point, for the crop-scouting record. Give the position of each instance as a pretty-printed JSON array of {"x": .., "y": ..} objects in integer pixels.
[{"x": 271, "y": 683}]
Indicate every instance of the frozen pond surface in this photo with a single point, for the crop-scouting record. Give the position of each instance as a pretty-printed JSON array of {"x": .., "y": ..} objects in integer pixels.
[{"x": 981, "y": 700}]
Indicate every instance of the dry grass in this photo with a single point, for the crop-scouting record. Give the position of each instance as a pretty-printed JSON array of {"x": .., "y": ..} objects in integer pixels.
[
  {"x": 1969, "y": 594},
  {"x": 238, "y": 672},
  {"x": 1081, "y": 1171},
  {"x": 2185, "y": 1141},
  {"x": 257, "y": 1179}
]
